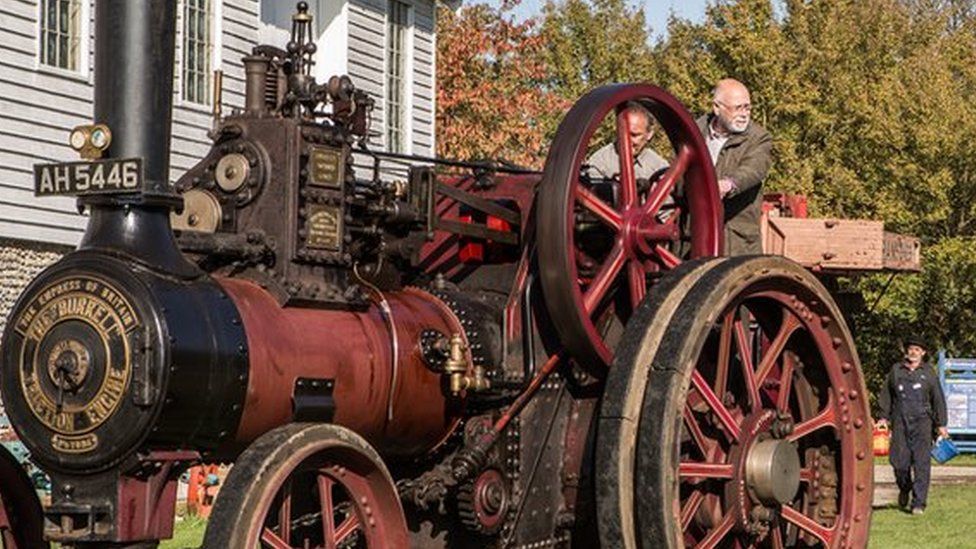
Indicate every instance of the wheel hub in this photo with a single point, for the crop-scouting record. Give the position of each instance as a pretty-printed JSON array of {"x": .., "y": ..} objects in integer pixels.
[
  {"x": 773, "y": 471},
  {"x": 767, "y": 470},
  {"x": 641, "y": 232}
]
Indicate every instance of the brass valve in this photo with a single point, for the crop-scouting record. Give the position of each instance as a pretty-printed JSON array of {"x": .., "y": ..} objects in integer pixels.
[{"x": 456, "y": 367}]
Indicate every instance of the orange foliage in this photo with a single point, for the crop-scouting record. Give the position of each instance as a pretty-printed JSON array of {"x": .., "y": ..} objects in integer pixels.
[{"x": 493, "y": 101}]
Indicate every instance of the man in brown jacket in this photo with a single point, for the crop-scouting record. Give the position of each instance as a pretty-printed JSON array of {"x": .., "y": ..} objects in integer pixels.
[{"x": 742, "y": 153}]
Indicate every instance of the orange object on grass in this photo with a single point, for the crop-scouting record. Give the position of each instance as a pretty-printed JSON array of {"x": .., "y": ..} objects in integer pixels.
[{"x": 881, "y": 440}]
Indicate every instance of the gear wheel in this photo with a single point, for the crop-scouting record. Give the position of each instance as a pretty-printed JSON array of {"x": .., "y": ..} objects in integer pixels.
[{"x": 483, "y": 503}]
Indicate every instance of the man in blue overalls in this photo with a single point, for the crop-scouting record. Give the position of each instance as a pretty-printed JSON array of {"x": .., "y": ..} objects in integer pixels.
[{"x": 912, "y": 401}]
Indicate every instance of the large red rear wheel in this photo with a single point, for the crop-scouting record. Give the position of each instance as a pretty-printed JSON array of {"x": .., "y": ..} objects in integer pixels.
[
  {"x": 598, "y": 243},
  {"x": 750, "y": 426}
]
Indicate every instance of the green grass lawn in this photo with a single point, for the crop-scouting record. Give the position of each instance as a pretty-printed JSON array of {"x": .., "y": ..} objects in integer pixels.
[
  {"x": 187, "y": 534},
  {"x": 947, "y": 523}
]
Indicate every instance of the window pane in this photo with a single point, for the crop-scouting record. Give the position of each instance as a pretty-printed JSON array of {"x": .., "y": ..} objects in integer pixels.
[
  {"x": 60, "y": 33},
  {"x": 197, "y": 50},
  {"x": 397, "y": 15}
]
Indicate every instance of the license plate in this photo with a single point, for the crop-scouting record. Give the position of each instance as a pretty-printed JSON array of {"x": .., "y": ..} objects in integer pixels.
[{"x": 110, "y": 176}]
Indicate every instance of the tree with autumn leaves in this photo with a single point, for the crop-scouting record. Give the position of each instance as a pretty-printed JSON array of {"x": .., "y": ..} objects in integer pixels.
[{"x": 493, "y": 101}]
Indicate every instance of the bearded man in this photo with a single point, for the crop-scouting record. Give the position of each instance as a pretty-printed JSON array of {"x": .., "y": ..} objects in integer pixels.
[{"x": 741, "y": 151}]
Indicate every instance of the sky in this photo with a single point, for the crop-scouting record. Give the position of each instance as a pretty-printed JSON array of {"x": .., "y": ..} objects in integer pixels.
[{"x": 657, "y": 11}]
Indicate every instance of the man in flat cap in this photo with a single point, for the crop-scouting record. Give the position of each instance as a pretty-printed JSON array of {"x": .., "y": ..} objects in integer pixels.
[{"x": 912, "y": 402}]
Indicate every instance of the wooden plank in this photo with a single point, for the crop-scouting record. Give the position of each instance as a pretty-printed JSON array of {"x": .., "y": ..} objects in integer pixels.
[
  {"x": 17, "y": 29},
  {"x": 21, "y": 9},
  {"x": 39, "y": 232},
  {"x": 43, "y": 88},
  {"x": 28, "y": 109},
  {"x": 834, "y": 244},
  {"x": 902, "y": 253}
]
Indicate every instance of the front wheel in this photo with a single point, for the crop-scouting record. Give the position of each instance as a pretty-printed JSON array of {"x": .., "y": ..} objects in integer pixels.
[{"x": 308, "y": 485}]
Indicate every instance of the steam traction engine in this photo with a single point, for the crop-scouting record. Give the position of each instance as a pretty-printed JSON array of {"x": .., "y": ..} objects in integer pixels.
[{"x": 492, "y": 357}]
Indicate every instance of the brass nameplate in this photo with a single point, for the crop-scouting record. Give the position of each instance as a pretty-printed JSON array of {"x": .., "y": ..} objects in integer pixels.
[
  {"x": 75, "y": 332},
  {"x": 323, "y": 227},
  {"x": 325, "y": 167}
]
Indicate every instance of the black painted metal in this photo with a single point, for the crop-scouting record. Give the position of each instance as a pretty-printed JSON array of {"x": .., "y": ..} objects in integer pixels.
[
  {"x": 134, "y": 49},
  {"x": 190, "y": 342}
]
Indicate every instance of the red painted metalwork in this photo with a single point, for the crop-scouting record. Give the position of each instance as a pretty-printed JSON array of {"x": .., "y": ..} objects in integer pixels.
[
  {"x": 442, "y": 253},
  {"x": 746, "y": 412},
  {"x": 146, "y": 502},
  {"x": 785, "y": 205},
  {"x": 642, "y": 240},
  {"x": 308, "y": 485},
  {"x": 354, "y": 349}
]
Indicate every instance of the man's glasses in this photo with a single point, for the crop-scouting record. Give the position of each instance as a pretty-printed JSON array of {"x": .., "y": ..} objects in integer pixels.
[{"x": 744, "y": 107}]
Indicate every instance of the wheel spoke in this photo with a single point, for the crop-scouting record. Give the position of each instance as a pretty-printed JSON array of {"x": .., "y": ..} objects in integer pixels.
[
  {"x": 625, "y": 152},
  {"x": 695, "y": 469},
  {"x": 805, "y": 523},
  {"x": 347, "y": 527},
  {"x": 284, "y": 513},
  {"x": 826, "y": 418},
  {"x": 724, "y": 354},
  {"x": 690, "y": 507},
  {"x": 776, "y": 346},
  {"x": 667, "y": 258},
  {"x": 604, "y": 278},
  {"x": 745, "y": 358},
  {"x": 723, "y": 414},
  {"x": 270, "y": 538},
  {"x": 717, "y": 534},
  {"x": 328, "y": 510},
  {"x": 603, "y": 211},
  {"x": 785, "y": 383},
  {"x": 637, "y": 282},
  {"x": 695, "y": 430},
  {"x": 666, "y": 184}
]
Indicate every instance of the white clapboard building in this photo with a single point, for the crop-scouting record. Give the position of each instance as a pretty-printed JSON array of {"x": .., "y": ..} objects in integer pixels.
[{"x": 46, "y": 84}]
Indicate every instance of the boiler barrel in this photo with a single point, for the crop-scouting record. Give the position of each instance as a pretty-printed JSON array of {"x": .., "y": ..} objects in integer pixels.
[{"x": 353, "y": 349}]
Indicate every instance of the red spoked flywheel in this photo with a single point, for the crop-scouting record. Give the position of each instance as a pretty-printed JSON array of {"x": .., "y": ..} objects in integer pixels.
[{"x": 598, "y": 244}]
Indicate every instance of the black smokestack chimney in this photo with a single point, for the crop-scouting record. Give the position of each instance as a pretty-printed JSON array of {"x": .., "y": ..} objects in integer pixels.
[{"x": 135, "y": 43}]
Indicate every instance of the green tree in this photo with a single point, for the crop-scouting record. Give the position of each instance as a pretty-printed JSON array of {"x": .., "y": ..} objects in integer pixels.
[
  {"x": 591, "y": 43},
  {"x": 870, "y": 106}
]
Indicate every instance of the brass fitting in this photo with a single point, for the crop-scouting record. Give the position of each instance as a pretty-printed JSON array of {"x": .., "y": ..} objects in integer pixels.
[{"x": 456, "y": 368}]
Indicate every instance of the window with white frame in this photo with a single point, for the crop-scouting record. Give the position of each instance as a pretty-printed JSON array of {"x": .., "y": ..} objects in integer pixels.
[
  {"x": 198, "y": 51},
  {"x": 397, "y": 36},
  {"x": 60, "y": 22}
]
